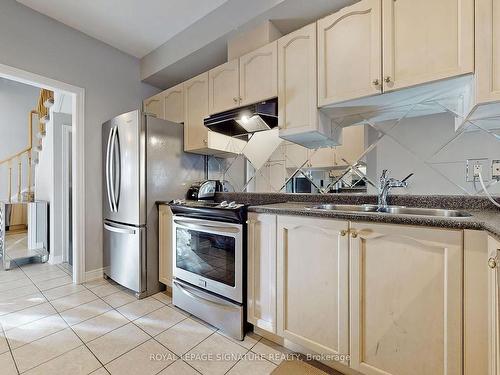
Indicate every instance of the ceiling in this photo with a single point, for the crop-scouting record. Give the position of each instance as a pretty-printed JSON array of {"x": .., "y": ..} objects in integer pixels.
[{"x": 136, "y": 27}]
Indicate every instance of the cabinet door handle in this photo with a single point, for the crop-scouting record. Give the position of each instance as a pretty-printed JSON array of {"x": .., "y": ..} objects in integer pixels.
[
  {"x": 376, "y": 82},
  {"x": 387, "y": 79},
  {"x": 343, "y": 232},
  {"x": 354, "y": 234},
  {"x": 492, "y": 262},
  {"x": 235, "y": 100}
]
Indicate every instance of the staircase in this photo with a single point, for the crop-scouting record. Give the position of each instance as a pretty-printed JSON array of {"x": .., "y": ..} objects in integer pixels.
[{"x": 26, "y": 160}]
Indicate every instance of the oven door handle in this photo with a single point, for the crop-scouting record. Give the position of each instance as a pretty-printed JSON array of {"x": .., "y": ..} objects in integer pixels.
[
  {"x": 192, "y": 293},
  {"x": 201, "y": 227}
]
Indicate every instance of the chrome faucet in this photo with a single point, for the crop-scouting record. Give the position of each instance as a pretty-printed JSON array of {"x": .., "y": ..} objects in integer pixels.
[{"x": 386, "y": 184}]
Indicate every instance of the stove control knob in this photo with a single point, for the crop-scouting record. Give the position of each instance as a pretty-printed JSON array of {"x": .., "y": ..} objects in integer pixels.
[
  {"x": 232, "y": 204},
  {"x": 224, "y": 204}
]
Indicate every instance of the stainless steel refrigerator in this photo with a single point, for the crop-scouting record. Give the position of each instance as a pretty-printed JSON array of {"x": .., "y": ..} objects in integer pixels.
[{"x": 143, "y": 162}]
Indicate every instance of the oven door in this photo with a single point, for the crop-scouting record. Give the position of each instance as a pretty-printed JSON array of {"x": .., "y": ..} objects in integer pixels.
[{"x": 208, "y": 254}]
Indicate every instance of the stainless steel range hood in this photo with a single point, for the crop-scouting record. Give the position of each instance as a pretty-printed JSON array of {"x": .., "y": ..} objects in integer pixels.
[{"x": 245, "y": 120}]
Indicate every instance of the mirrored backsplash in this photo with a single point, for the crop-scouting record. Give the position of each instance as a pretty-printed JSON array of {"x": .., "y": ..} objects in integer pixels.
[{"x": 427, "y": 146}]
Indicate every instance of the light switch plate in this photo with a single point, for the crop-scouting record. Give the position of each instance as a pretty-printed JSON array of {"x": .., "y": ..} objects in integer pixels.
[
  {"x": 475, "y": 165},
  {"x": 495, "y": 169}
]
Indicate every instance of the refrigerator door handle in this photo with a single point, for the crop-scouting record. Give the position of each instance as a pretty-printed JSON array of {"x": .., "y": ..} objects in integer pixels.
[
  {"x": 112, "y": 228},
  {"x": 117, "y": 189},
  {"x": 112, "y": 170},
  {"x": 107, "y": 170}
]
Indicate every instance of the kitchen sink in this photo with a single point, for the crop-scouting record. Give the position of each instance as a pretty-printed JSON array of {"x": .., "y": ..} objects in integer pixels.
[{"x": 394, "y": 210}]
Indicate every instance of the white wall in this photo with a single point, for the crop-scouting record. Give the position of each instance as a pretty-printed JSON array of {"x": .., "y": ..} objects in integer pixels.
[
  {"x": 16, "y": 101},
  {"x": 36, "y": 43}
]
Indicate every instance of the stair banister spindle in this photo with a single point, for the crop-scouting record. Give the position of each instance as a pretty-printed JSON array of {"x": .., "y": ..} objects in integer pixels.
[
  {"x": 19, "y": 178},
  {"x": 10, "y": 181}
]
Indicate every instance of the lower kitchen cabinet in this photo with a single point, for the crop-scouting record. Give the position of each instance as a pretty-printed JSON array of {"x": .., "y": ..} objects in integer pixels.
[
  {"x": 261, "y": 291},
  {"x": 312, "y": 283},
  {"x": 165, "y": 244},
  {"x": 406, "y": 300},
  {"x": 493, "y": 305}
]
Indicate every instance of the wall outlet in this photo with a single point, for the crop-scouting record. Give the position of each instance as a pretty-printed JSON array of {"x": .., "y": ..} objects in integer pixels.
[
  {"x": 495, "y": 169},
  {"x": 476, "y": 166}
]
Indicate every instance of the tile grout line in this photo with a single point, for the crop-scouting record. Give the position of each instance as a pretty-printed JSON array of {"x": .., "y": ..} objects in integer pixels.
[{"x": 10, "y": 349}]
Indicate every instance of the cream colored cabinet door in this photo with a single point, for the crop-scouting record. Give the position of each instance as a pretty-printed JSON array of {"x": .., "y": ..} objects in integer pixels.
[
  {"x": 426, "y": 40},
  {"x": 154, "y": 105},
  {"x": 173, "y": 100},
  {"x": 494, "y": 305},
  {"x": 350, "y": 53},
  {"x": 312, "y": 279},
  {"x": 406, "y": 300},
  {"x": 322, "y": 158},
  {"x": 261, "y": 309},
  {"x": 487, "y": 50},
  {"x": 259, "y": 74},
  {"x": 224, "y": 91},
  {"x": 165, "y": 244},
  {"x": 195, "y": 111}
]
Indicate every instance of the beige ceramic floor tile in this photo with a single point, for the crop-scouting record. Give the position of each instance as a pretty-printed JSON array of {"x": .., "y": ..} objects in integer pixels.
[
  {"x": 101, "y": 371},
  {"x": 7, "y": 365},
  {"x": 184, "y": 336},
  {"x": 84, "y": 312},
  {"x": 26, "y": 316},
  {"x": 53, "y": 283},
  {"x": 79, "y": 361},
  {"x": 48, "y": 275},
  {"x": 11, "y": 294},
  {"x": 115, "y": 343},
  {"x": 100, "y": 325},
  {"x": 94, "y": 283},
  {"x": 119, "y": 299},
  {"x": 139, "y": 361},
  {"x": 11, "y": 275},
  {"x": 136, "y": 309},
  {"x": 63, "y": 291},
  {"x": 163, "y": 297},
  {"x": 215, "y": 355},
  {"x": 3, "y": 342},
  {"x": 179, "y": 367},
  {"x": 252, "y": 365},
  {"x": 15, "y": 284},
  {"x": 21, "y": 303},
  {"x": 159, "y": 320},
  {"x": 27, "y": 333},
  {"x": 271, "y": 351},
  {"x": 43, "y": 350},
  {"x": 250, "y": 340},
  {"x": 106, "y": 290},
  {"x": 73, "y": 300}
]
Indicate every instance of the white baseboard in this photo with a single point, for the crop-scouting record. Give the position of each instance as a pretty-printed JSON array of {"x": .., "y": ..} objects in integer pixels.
[
  {"x": 53, "y": 259},
  {"x": 94, "y": 274}
]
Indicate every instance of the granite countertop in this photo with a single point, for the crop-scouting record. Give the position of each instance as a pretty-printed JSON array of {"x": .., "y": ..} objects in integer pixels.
[{"x": 488, "y": 220}]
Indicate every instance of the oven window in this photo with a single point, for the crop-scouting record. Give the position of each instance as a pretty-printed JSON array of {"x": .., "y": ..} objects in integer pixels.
[{"x": 205, "y": 254}]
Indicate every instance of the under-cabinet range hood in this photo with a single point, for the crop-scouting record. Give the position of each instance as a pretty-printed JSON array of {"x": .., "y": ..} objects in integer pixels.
[{"x": 245, "y": 120}]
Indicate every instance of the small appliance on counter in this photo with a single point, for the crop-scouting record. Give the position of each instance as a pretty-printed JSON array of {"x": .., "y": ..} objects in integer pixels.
[
  {"x": 206, "y": 189},
  {"x": 209, "y": 262}
]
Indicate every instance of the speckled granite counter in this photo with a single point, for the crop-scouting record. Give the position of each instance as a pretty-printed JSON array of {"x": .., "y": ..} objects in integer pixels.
[{"x": 488, "y": 220}]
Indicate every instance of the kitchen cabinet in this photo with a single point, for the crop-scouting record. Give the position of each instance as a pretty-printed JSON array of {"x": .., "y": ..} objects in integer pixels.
[
  {"x": 494, "y": 305},
  {"x": 426, "y": 41},
  {"x": 349, "y": 53},
  {"x": 312, "y": 283},
  {"x": 262, "y": 271},
  {"x": 154, "y": 105},
  {"x": 165, "y": 244},
  {"x": 173, "y": 101},
  {"x": 487, "y": 50},
  {"x": 223, "y": 87},
  {"x": 259, "y": 74},
  {"x": 299, "y": 120},
  {"x": 406, "y": 300}
]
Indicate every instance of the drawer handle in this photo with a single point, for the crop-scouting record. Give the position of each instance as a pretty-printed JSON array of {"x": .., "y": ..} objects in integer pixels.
[
  {"x": 387, "y": 79},
  {"x": 354, "y": 234},
  {"x": 376, "y": 82},
  {"x": 343, "y": 232},
  {"x": 492, "y": 262}
]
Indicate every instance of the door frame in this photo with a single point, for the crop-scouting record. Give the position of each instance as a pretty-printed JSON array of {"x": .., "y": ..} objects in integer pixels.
[
  {"x": 78, "y": 161},
  {"x": 67, "y": 132}
]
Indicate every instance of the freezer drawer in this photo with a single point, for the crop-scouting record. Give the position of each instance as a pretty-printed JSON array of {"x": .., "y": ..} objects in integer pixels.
[{"x": 125, "y": 255}]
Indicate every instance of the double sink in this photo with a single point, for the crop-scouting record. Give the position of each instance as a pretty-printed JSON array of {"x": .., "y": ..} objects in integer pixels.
[{"x": 394, "y": 210}]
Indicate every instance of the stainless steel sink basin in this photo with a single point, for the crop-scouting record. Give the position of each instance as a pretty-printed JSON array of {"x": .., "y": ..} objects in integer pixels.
[
  {"x": 394, "y": 210},
  {"x": 346, "y": 207},
  {"x": 436, "y": 212}
]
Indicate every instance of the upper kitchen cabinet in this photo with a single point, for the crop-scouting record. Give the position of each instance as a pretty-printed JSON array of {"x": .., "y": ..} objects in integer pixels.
[
  {"x": 173, "y": 100},
  {"x": 259, "y": 74},
  {"x": 299, "y": 120},
  {"x": 406, "y": 298},
  {"x": 155, "y": 106},
  {"x": 349, "y": 53},
  {"x": 197, "y": 138},
  {"x": 426, "y": 40},
  {"x": 487, "y": 50},
  {"x": 223, "y": 87}
]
